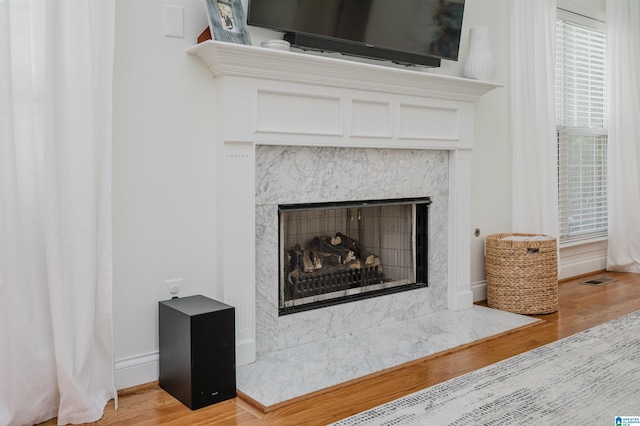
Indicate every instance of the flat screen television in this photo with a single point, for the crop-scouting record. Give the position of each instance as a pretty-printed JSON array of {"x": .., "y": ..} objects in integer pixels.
[{"x": 412, "y": 32}]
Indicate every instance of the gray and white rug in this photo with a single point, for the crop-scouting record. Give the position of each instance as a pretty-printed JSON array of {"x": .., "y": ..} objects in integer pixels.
[{"x": 589, "y": 378}]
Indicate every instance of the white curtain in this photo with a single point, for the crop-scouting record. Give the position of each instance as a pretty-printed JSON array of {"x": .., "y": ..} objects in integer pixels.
[
  {"x": 623, "y": 71},
  {"x": 535, "y": 177},
  {"x": 56, "y": 343}
]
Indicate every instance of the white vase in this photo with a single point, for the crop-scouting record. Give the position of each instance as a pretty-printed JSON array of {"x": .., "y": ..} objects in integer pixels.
[{"x": 479, "y": 65}]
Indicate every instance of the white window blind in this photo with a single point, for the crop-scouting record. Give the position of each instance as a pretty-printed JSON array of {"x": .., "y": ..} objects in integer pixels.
[{"x": 581, "y": 106}]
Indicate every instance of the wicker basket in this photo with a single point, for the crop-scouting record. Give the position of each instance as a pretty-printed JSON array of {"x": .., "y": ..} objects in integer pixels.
[{"x": 522, "y": 276}]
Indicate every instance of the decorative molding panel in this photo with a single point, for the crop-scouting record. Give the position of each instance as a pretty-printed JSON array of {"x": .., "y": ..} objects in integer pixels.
[
  {"x": 428, "y": 122},
  {"x": 371, "y": 119},
  {"x": 289, "y": 113}
]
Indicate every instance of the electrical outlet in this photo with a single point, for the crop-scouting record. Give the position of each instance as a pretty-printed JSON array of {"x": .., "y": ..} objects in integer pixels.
[{"x": 173, "y": 288}]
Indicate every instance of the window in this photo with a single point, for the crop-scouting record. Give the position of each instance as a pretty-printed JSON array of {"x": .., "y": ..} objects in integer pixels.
[{"x": 581, "y": 109}]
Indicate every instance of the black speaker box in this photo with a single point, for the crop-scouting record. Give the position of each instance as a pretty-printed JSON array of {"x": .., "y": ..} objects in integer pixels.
[{"x": 197, "y": 350}]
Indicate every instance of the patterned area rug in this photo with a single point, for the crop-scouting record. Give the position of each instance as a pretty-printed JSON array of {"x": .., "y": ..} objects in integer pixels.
[{"x": 589, "y": 378}]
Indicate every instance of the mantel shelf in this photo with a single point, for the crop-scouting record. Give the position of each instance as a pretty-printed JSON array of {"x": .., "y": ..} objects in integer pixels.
[{"x": 230, "y": 59}]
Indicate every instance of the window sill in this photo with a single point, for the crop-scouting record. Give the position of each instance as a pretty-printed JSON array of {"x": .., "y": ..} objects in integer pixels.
[{"x": 583, "y": 242}]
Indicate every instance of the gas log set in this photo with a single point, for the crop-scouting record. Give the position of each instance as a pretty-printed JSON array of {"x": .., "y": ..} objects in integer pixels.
[{"x": 330, "y": 264}]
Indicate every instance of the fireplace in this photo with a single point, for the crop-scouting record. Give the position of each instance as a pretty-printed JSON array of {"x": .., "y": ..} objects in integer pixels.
[
  {"x": 285, "y": 118},
  {"x": 340, "y": 252}
]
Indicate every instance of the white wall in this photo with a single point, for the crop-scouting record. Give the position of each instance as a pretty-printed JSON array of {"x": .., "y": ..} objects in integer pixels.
[
  {"x": 491, "y": 156},
  {"x": 164, "y": 205},
  {"x": 163, "y": 200}
]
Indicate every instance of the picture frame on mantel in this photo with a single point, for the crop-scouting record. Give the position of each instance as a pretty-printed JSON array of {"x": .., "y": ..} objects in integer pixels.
[{"x": 227, "y": 21}]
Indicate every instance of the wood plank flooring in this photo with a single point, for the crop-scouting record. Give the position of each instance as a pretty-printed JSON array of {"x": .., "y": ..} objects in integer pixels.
[{"x": 581, "y": 307}]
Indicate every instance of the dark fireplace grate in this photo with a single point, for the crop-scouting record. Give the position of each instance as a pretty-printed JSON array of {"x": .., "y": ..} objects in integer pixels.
[
  {"x": 339, "y": 252},
  {"x": 317, "y": 284}
]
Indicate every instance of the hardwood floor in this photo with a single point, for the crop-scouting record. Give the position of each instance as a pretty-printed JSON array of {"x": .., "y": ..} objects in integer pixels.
[{"x": 581, "y": 307}]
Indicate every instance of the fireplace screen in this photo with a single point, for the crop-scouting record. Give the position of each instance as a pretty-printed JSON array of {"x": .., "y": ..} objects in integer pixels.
[{"x": 340, "y": 252}]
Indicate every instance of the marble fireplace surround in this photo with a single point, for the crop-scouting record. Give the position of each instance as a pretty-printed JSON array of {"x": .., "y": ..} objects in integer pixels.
[
  {"x": 285, "y": 120},
  {"x": 326, "y": 174}
]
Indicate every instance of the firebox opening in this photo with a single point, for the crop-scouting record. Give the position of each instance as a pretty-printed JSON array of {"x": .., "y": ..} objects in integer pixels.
[{"x": 333, "y": 253}]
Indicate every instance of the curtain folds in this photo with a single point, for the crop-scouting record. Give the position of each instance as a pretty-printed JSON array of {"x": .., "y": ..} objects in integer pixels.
[
  {"x": 535, "y": 178},
  {"x": 56, "y": 342},
  {"x": 623, "y": 178}
]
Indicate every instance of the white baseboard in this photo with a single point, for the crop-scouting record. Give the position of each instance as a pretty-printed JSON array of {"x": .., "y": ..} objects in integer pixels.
[
  {"x": 136, "y": 370},
  {"x": 479, "y": 291},
  {"x": 577, "y": 269},
  {"x": 580, "y": 259},
  {"x": 144, "y": 368}
]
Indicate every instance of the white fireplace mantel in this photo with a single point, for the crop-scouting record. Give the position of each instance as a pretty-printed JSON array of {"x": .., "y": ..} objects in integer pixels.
[{"x": 270, "y": 97}]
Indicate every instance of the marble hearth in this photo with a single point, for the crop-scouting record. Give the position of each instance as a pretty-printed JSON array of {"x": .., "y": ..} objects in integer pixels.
[
  {"x": 278, "y": 378},
  {"x": 285, "y": 120}
]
